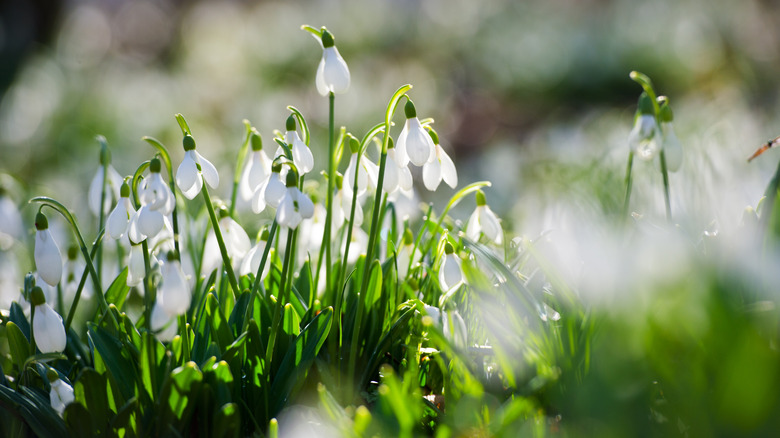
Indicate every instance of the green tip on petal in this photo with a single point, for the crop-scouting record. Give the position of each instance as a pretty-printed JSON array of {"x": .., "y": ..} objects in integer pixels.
[
  {"x": 73, "y": 252},
  {"x": 409, "y": 109},
  {"x": 41, "y": 223},
  {"x": 434, "y": 135},
  {"x": 257, "y": 141},
  {"x": 276, "y": 168},
  {"x": 448, "y": 249},
  {"x": 481, "y": 198},
  {"x": 37, "y": 297},
  {"x": 339, "y": 180},
  {"x": 354, "y": 144},
  {"x": 408, "y": 237},
  {"x": 290, "y": 124},
  {"x": 155, "y": 166},
  {"x": 292, "y": 179},
  {"x": 646, "y": 104},
  {"x": 327, "y": 39},
  {"x": 188, "y": 142}
]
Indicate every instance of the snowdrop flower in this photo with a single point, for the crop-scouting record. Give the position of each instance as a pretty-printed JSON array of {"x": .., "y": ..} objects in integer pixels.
[
  {"x": 48, "y": 259},
  {"x": 484, "y": 221},
  {"x": 120, "y": 216},
  {"x": 407, "y": 254},
  {"x": 301, "y": 153},
  {"x": 450, "y": 274},
  {"x": 256, "y": 171},
  {"x": 61, "y": 394},
  {"x": 450, "y": 323},
  {"x": 295, "y": 206},
  {"x": 236, "y": 241},
  {"x": 358, "y": 244},
  {"x": 332, "y": 73},
  {"x": 157, "y": 201},
  {"x": 72, "y": 270},
  {"x": 192, "y": 167},
  {"x": 163, "y": 323},
  {"x": 642, "y": 139},
  {"x": 47, "y": 325},
  {"x": 136, "y": 270},
  {"x": 11, "y": 227},
  {"x": 173, "y": 294},
  {"x": 367, "y": 172},
  {"x": 671, "y": 145},
  {"x": 253, "y": 257},
  {"x": 440, "y": 168},
  {"x": 414, "y": 144},
  {"x": 113, "y": 182},
  {"x": 275, "y": 189}
]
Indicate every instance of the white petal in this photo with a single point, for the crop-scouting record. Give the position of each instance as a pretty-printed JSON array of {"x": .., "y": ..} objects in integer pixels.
[
  {"x": 274, "y": 191},
  {"x": 419, "y": 144},
  {"x": 432, "y": 175},
  {"x": 117, "y": 222},
  {"x": 48, "y": 329},
  {"x": 150, "y": 222},
  {"x": 402, "y": 158},
  {"x": 187, "y": 175},
  {"x": 236, "y": 240},
  {"x": 95, "y": 189},
  {"x": 133, "y": 233},
  {"x": 490, "y": 225},
  {"x": 335, "y": 72},
  {"x": 405, "y": 179},
  {"x": 163, "y": 321},
  {"x": 135, "y": 270},
  {"x": 60, "y": 396},
  {"x": 448, "y": 172},
  {"x": 48, "y": 259},
  {"x": 349, "y": 176},
  {"x": 473, "y": 228},
  {"x": 286, "y": 214},
  {"x": 258, "y": 199},
  {"x": 212, "y": 259},
  {"x": 305, "y": 206},
  {"x": 371, "y": 170},
  {"x": 450, "y": 275},
  {"x": 319, "y": 80},
  {"x": 252, "y": 176},
  {"x": 302, "y": 157},
  {"x": 174, "y": 294},
  {"x": 194, "y": 190},
  {"x": 208, "y": 170}
]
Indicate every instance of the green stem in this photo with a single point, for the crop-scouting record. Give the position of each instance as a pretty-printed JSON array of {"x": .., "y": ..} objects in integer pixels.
[
  {"x": 280, "y": 300},
  {"x": 220, "y": 242},
  {"x": 665, "y": 174},
  {"x": 185, "y": 338},
  {"x": 148, "y": 298},
  {"x": 101, "y": 217},
  {"x": 326, "y": 240},
  {"x": 239, "y": 167},
  {"x": 80, "y": 288},
  {"x": 629, "y": 168},
  {"x": 258, "y": 276}
]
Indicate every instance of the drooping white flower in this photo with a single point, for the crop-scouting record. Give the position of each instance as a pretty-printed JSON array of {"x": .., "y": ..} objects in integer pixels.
[
  {"x": 450, "y": 273},
  {"x": 332, "y": 73},
  {"x": 173, "y": 294},
  {"x": 47, "y": 324},
  {"x": 414, "y": 144},
  {"x": 440, "y": 168},
  {"x": 256, "y": 170},
  {"x": 236, "y": 241},
  {"x": 450, "y": 323},
  {"x": 294, "y": 206},
  {"x": 155, "y": 193},
  {"x": 301, "y": 154},
  {"x": 136, "y": 270},
  {"x": 11, "y": 226},
  {"x": 642, "y": 138},
  {"x": 163, "y": 323},
  {"x": 484, "y": 221},
  {"x": 61, "y": 394},
  {"x": 113, "y": 182},
  {"x": 192, "y": 167},
  {"x": 48, "y": 259},
  {"x": 252, "y": 259},
  {"x": 118, "y": 220},
  {"x": 275, "y": 189}
]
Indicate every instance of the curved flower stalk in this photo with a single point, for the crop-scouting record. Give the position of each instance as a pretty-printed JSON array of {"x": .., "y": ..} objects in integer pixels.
[
  {"x": 484, "y": 221},
  {"x": 332, "y": 73},
  {"x": 302, "y": 156},
  {"x": 414, "y": 144},
  {"x": 236, "y": 241},
  {"x": 440, "y": 168},
  {"x": 251, "y": 262},
  {"x": 257, "y": 169},
  {"x": 11, "y": 225},
  {"x": 642, "y": 139},
  {"x": 48, "y": 259},
  {"x": 47, "y": 326},
  {"x": 294, "y": 206},
  {"x": 173, "y": 294},
  {"x": 192, "y": 167},
  {"x": 450, "y": 273},
  {"x": 119, "y": 219},
  {"x": 113, "y": 181},
  {"x": 60, "y": 393}
]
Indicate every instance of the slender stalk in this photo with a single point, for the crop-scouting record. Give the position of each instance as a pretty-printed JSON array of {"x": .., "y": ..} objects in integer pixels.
[
  {"x": 239, "y": 167},
  {"x": 258, "y": 277},
  {"x": 629, "y": 168},
  {"x": 280, "y": 300},
  {"x": 80, "y": 288},
  {"x": 220, "y": 242},
  {"x": 326, "y": 241},
  {"x": 665, "y": 174},
  {"x": 101, "y": 216},
  {"x": 148, "y": 298},
  {"x": 185, "y": 338}
]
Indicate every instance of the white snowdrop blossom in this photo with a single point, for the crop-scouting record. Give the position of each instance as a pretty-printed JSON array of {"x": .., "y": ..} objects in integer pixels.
[
  {"x": 484, "y": 221},
  {"x": 256, "y": 170},
  {"x": 11, "y": 225},
  {"x": 294, "y": 206},
  {"x": 301, "y": 154},
  {"x": 414, "y": 144},
  {"x": 440, "y": 168},
  {"x": 113, "y": 183},
  {"x": 275, "y": 189},
  {"x": 47, "y": 325},
  {"x": 251, "y": 261},
  {"x": 332, "y": 73},
  {"x": 358, "y": 244},
  {"x": 48, "y": 259},
  {"x": 673, "y": 152},
  {"x": 450, "y": 274},
  {"x": 163, "y": 323},
  {"x": 10, "y": 284},
  {"x": 157, "y": 201},
  {"x": 119, "y": 219},
  {"x": 450, "y": 323},
  {"x": 236, "y": 240},
  {"x": 173, "y": 294},
  {"x": 192, "y": 167},
  {"x": 136, "y": 270},
  {"x": 642, "y": 138},
  {"x": 60, "y": 394}
]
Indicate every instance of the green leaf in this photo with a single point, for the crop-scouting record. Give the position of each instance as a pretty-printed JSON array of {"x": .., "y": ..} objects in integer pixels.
[
  {"x": 227, "y": 421},
  {"x": 117, "y": 360},
  {"x": 397, "y": 333},
  {"x": 220, "y": 379},
  {"x": 78, "y": 420},
  {"x": 18, "y": 318},
  {"x": 219, "y": 325},
  {"x": 117, "y": 292},
  {"x": 374, "y": 285},
  {"x": 90, "y": 391},
  {"x": 180, "y": 393},
  {"x": 298, "y": 360},
  {"x": 17, "y": 342},
  {"x": 304, "y": 284},
  {"x": 185, "y": 127},
  {"x": 291, "y": 323}
]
